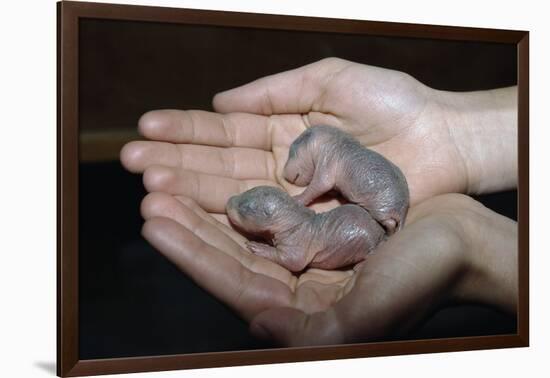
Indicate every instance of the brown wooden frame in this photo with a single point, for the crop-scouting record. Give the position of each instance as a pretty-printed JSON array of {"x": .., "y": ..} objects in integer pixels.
[{"x": 69, "y": 13}]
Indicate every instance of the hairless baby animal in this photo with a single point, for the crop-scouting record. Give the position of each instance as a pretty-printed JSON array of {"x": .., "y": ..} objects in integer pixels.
[
  {"x": 326, "y": 158},
  {"x": 300, "y": 237}
]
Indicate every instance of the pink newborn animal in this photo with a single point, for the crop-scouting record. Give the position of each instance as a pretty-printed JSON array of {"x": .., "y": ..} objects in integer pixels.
[
  {"x": 299, "y": 237},
  {"x": 326, "y": 158}
]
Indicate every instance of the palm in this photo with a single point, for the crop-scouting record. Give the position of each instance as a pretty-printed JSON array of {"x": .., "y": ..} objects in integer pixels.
[
  {"x": 388, "y": 111},
  {"x": 303, "y": 309},
  {"x": 248, "y": 283},
  {"x": 195, "y": 161}
]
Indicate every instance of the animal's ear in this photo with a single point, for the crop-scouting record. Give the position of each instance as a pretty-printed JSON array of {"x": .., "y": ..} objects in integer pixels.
[{"x": 301, "y": 141}]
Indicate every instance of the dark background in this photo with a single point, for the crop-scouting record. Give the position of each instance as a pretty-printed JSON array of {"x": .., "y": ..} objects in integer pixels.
[{"x": 133, "y": 302}]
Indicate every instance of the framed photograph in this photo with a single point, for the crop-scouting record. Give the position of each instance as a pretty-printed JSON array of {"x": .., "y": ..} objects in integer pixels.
[{"x": 154, "y": 272}]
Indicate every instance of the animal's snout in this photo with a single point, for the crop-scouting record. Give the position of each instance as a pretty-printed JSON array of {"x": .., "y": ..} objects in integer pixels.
[{"x": 290, "y": 172}]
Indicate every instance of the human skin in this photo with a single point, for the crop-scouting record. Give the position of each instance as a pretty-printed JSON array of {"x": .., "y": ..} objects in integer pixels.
[
  {"x": 326, "y": 158},
  {"x": 299, "y": 237},
  {"x": 444, "y": 142},
  {"x": 453, "y": 250}
]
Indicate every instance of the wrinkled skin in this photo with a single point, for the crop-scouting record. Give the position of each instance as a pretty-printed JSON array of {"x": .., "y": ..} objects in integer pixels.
[
  {"x": 326, "y": 158},
  {"x": 300, "y": 238}
]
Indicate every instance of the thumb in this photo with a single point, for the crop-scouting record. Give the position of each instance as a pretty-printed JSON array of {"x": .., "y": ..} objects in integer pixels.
[
  {"x": 291, "y": 327},
  {"x": 290, "y": 92}
]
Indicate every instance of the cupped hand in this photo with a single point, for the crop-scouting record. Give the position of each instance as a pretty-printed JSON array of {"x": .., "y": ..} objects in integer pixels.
[
  {"x": 199, "y": 159},
  {"x": 207, "y": 156},
  {"x": 419, "y": 268}
]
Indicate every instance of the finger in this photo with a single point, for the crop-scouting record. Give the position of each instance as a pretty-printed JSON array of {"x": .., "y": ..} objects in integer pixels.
[
  {"x": 207, "y": 128},
  {"x": 248, "y": 293},
  {"x": 139, "y": 155},
  {"x": 222, "y": 218},
  {"x": 209, "y": 191},
  {"x": 186, "y": 212},
  {"x": 240, "y": 163},
  {"x": 296, "y": 91},
  {"x": 291, "y": 327},
  {"x": 221, "y": 221},
  {"x": 215, "y": 219}
]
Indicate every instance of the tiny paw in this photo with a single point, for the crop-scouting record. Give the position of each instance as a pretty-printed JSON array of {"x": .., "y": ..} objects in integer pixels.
[
  {"x": 301, "y": 198},
  {"x": 253, "y": 246},
  {"x": 262, "y": 250},
  {"x": 391, "y": 226}
]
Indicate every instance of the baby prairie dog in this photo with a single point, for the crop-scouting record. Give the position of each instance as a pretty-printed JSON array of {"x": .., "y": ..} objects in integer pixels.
[
  {"x": 298, "y": 236},
  {"x": 326, "y": 158}
]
